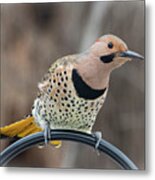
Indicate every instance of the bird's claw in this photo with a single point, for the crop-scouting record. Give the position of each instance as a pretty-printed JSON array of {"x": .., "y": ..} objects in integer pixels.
[
  {"x": 98, "y": 136},
  {"x": 47, "y": 134}
]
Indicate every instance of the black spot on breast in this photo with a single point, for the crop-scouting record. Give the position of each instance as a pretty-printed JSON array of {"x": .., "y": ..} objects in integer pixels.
[
  {"x": 64, "y": 90},
  {"x": 82, "y": 89},
  {"x": 78, "y": 108},
  {"x": 68, "y": 105},
  {"x": 66, "y": 98},
  {"x": 72, "y": 101}
]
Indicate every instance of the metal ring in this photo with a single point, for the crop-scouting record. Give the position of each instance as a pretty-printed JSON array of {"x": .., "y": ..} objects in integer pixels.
[{"x": 89, "y": 139}]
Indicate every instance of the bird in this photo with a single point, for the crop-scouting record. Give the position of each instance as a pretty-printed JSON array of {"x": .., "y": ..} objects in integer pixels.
[{"x": 73, "y": 90}]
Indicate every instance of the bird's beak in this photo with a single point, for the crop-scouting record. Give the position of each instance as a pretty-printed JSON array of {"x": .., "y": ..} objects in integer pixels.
[{"x": 131, "y": 54}]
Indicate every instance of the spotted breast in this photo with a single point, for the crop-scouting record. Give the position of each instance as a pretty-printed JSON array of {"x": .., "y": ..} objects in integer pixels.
[{"x": 65, "y": 101}]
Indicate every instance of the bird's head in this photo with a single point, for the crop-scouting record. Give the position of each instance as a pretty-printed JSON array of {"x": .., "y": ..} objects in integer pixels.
[
  {"x": 107, "y": 53},
  {"x": 112, "y": 51}
]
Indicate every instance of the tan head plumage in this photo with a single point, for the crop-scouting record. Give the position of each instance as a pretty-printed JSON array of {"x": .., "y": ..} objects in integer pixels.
[{"x": 107, "y": 53}]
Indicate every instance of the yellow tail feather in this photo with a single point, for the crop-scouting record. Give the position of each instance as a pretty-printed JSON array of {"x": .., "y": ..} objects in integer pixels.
[
  {"x": 24, "y": 128},
  {"x": 21, "y": 128}
]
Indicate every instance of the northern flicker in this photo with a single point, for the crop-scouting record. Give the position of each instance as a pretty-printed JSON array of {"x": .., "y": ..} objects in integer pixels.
[{"x": 74, "y": 89}]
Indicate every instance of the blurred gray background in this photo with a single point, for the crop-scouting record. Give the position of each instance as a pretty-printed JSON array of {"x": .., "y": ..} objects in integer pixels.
[{"x": 34, "y": 35}]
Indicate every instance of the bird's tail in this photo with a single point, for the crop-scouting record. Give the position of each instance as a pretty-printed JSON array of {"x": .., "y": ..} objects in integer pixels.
[
  {"x": 23, "y": 128},
  {"x": 20, "y": 128}
]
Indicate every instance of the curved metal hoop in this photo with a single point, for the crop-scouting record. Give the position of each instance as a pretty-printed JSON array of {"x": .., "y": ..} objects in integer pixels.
[{"x": 29, "y": 141}]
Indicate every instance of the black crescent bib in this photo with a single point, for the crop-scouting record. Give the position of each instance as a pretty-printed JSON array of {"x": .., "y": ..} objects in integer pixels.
[{"x": 83, "y": 90}]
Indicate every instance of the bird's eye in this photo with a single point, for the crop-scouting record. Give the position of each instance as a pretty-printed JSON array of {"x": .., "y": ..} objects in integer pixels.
[{"x": 110, "y": 45}]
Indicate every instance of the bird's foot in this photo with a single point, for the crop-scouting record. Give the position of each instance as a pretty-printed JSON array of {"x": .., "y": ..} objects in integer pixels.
[
  {"x": 47, "y": 134},
  {"x": 47, "y": 137},
  {"x": 98, "y": 136}
]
